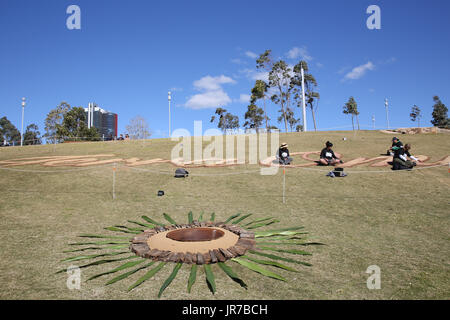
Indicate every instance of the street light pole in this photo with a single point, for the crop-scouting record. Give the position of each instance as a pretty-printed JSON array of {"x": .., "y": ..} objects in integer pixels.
[
  {"x": 387, "y": 114},
  {"x": 23, "y": 111},
  {"x": 169, "y": 98}
]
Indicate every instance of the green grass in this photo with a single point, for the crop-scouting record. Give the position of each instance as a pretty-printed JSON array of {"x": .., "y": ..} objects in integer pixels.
[{"x": 396, "y": 220}]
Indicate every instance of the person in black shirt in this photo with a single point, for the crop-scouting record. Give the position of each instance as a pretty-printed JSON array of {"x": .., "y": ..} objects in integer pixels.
[
  {"x": 327, "y": 156},
  {"x": 396, "y": 144},
  {"x": 283, "y": 155},
  {"x": 401, "y": 158}
]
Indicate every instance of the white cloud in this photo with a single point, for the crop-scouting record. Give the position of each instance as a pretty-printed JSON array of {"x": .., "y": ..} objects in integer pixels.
[
  {"x": 297, "y": 52},
  {"x": 251, "y": 54},
  {"x": 359, "y": 71},
  {"x": 173, "y": 89},
  {"x": 237, "y": 61},
  {"x": 212, "y": 95},
  {"x": 255, "y": 74},
  {"x": 212, "y": 83},
  {"x": 210, "y": 99},
  {"x": 244, "y": 98},
  {"x": 319, "y": 65}
]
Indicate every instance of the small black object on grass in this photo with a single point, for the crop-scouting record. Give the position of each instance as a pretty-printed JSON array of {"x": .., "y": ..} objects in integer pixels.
[{"x": 160, "y": 193}]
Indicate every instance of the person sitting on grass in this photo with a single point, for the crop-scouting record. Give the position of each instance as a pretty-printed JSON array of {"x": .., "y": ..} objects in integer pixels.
[
  {"x": 327, "y": 156},
  {"x": 401, "y": 161},
  {"x": 283, "y": 155},
  {"x": 396, "y": 144}
]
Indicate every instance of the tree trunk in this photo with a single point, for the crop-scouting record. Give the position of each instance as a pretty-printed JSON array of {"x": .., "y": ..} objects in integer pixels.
[
  {"x": 265, "y": 113},
  {"x": 357, "y": 121},
  {"x": 353, "y": 126},
  {"x": 314, "y": 117}
]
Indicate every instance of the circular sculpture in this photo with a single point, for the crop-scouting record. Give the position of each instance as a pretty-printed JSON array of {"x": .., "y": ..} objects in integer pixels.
[
  {"x": 214, "y": 245},
  {"x": 195, "y": 243}
]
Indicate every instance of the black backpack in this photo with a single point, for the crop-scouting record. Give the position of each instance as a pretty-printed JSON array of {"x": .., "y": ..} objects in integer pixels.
[{"x": 181, "y": 173}]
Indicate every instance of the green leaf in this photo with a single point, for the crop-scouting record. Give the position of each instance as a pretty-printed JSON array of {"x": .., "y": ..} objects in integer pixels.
[
  {"x": 210, "y": 278},
  {"x": 241, "y": 218},
  {"x": 120, "y": 230},
  {"x": 259, "y": 220},
  {"x": 98, "y": 248},
  {"x": 297, "y": 243},
  {"x": 120, "y": 268},
  {"x": 271, "y": 263},
  {"x": 129, "y": 228},
  {"x": 147, "y": 276},
  {"x": 100, "y": 236},
  {"x": 93, "y": 256},
  {"x": 190, "y": 217},
  {"x": 232, "y": 217},
  {"x": 262, "y": 224},
  {"x": 98, "y": 243},
  {"x": 254, "y": 267},
  {"x": 192, "y": 277},
  {"x": 280, "y": 232},
  {"x": 213, "y": 217},
  {"x": 232, "y": 275},
  {"x": 152, "y": 221},
  {"x": 129, "y": 273},
  {"x": 170, "y": 278},
  {"x": 142, "y": 224},
  {"x": 200, "y": 219},
  {"x": 274, "y": 257},
  {"x": 293, "y": 251},
  {"x": 103, "y": 261},
  {"x": 168, "y": 218}
]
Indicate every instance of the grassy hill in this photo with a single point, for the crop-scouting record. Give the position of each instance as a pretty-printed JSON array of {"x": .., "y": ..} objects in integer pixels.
[{"x": 396, "y": 220}]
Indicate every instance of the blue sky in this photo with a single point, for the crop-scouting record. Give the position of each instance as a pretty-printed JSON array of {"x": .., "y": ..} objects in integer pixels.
[{"x": 128, "y": 54}]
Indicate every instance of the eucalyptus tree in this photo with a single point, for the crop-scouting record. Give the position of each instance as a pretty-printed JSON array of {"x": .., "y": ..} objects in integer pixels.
[
  {"x": 225, "y": 120},
  {"x": 416, "y": 114},
  {"x": 351, "y": 107},
  {"x": 254, "y": 117},
  {"x": 259, "y": 91},
  {"x": 279, "y": 76},
  {"x": 54, "y": 118},
  {"x": 440, "y": 113}
]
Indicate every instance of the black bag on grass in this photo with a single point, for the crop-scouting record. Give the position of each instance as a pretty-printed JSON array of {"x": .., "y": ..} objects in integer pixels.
[{"x": 181, "y": 173}]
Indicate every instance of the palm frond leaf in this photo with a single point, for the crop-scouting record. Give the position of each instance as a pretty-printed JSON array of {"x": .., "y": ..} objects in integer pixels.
[
  {"x": 98, "y": 243},
  {"x": 213, "y": 217},
  {"x": 262, "y": 224},
  {"x": 293, "y": 251},
  {"x": 100, "y": 236},
  {"x": 255, "y": 267},
  {"x": 271, "y": 263},
  {"x": 210, "y": 278},
  {"x": 124, "y": 266},
  {"x": 98, "y": 248},
  {"x": 275, "y": 257},
  {"x": 142, "y": 224},
  {"x": 152, "y": 221},
  {"x": 241, "y": 218},
  {"x": 115, "y": 229},
  {"x": 129, "y": 273},
  {"x": 169, "y": 218},
  {"x": 259, "y": 220},
  {"x": 192, "y": 277},
  {"x": 232, "y": 217},
  {"x": 147, "y": 276},
  {"x": 190, "y": 217},
  {"x": 77, "y": 258},
  {"x": 103, "y": 261},
  {"x": 170, "y": 278},
  {"x": 232, "y": 275}
]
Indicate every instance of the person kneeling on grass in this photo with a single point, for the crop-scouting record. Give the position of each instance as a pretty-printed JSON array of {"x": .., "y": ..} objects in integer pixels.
[
  {"x": 283, "y": 155},
  {"x": 396, "y": 144},
  {"x": 327, "y": 156},
  {"x": 401, "y": 161}
]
